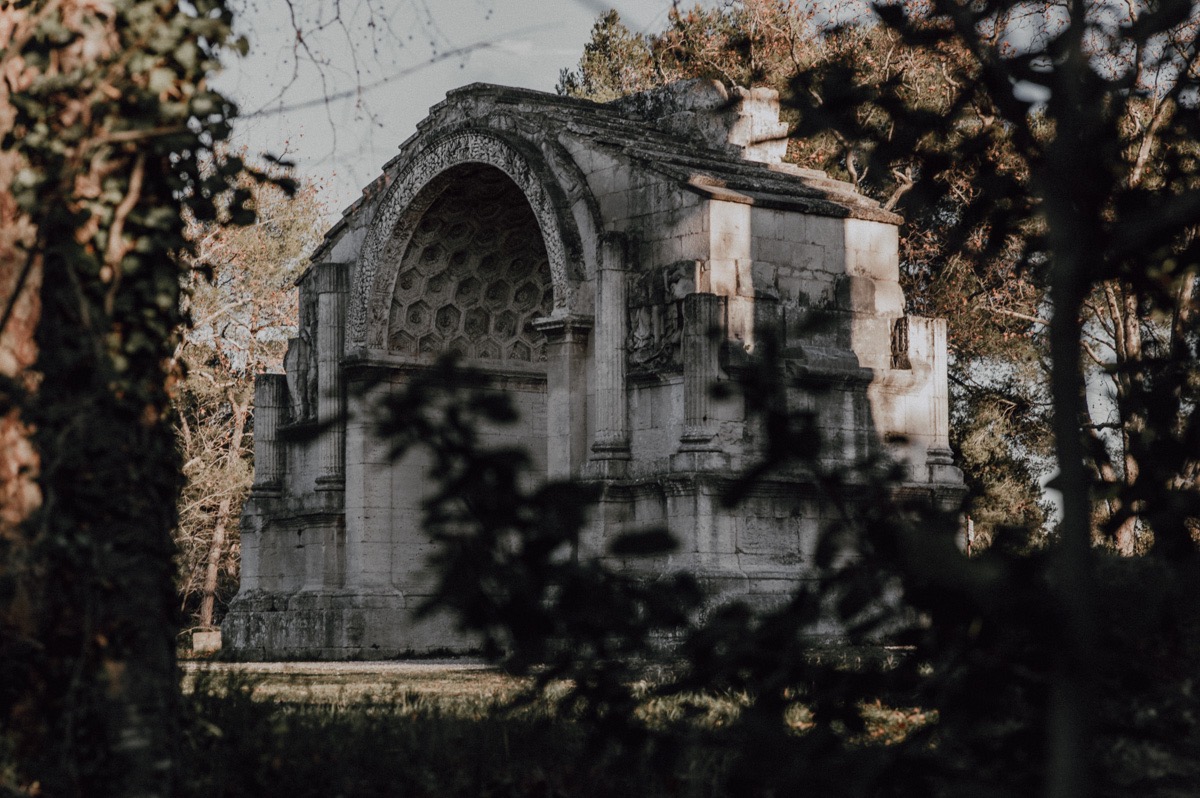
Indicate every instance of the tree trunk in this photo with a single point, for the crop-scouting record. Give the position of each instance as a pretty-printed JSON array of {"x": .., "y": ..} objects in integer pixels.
[
  {"x": 216, "y": 549},
  {"x": 1122, "y": 303},
  {"x": 1071, "y": 186},
  {"x": 106, "y": 606}
]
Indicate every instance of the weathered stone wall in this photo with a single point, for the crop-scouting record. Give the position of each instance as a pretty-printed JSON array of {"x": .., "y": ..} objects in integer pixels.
[{"x": 584, "y": 255}]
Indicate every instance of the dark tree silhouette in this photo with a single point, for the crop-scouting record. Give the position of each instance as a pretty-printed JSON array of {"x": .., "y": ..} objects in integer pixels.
[{"x": 110, "y": 134}]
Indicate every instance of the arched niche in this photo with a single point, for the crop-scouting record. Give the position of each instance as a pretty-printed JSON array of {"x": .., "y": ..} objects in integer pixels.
[
  {"x": 467, "y": 265},
  {"x": 474, "y": 275},
  {"x": 446, "y": 162}
]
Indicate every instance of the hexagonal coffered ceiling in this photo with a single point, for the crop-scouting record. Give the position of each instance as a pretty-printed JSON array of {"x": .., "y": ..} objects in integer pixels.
[{"x": 474, "y": 276}]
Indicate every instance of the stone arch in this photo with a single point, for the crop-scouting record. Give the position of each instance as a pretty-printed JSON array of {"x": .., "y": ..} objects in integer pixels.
[
  {"x": 475, "y": 275},
  {"x": 421, "y": 181}
]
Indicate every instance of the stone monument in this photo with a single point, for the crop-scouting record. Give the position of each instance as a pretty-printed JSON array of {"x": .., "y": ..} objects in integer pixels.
[{"x": 581, "y": 253}]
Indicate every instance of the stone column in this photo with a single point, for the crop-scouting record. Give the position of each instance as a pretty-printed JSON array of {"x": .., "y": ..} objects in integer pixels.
[
  {"x": 941, "y": 384},
  {"x": 331, "y": 285},
  {"x": 939, "y": 456},
  {"x": 703, "y": 321},
  {"x": 612, "y": 413},
  {"x": 270, "y": 403},
  {"x": 566, "y": 393}
]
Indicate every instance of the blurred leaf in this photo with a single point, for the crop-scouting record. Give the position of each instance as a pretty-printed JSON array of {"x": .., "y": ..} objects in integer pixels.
[{"x": 645, "y": 543}]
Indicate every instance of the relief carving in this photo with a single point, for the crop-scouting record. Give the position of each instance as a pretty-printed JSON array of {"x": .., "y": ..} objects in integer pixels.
[
  {"x": 655, "y": 300},
  {"x": 300, "y": 362}
]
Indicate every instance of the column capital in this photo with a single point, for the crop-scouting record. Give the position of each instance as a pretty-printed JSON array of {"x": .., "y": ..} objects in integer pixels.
[
  {"x": 331, "y": 278},
  {"x": 611, "y": 445},
  {"x": 568, "y": 327}
]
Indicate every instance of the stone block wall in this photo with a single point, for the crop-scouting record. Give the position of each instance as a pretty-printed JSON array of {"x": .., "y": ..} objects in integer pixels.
[{"x": 606, "y": 265}]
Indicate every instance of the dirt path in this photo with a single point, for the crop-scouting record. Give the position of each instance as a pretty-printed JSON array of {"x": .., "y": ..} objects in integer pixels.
[
  {"x": 423, "y": 666},
  {"x": 357, "y": 682}
]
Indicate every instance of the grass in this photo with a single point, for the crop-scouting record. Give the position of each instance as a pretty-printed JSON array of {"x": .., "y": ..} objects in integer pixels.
[
  {"x": 293, "y": 730},
  {"x": 437, "y": 734},
  {"x": 365, "y": 729}
]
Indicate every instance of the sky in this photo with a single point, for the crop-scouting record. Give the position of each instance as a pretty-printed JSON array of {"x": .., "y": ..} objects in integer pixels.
[{"x": 340, "y": 98}]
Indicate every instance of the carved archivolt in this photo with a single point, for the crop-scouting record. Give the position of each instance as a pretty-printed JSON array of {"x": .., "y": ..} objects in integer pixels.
[
  {"x": 415, "y": 188},
  {"x": 474, "y": 277}
]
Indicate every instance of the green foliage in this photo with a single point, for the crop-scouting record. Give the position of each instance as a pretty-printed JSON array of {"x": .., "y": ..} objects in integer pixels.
[
  {"x": 1126, "y": 273},
  {"x": 998, "y": 465},
  {"x": 1038, "y": 663},
  {"x": 244, "y": 737},
  {"x": 510, "y": 566},
  {"x": 980, "y": 649},
  {"x": 991, "y": 305},
  {"x": 118, "y": 137},
  {"x": 614, "y": 63},
  {"x": 512, "y": 569},
  {"x": 243, "y": 309}
]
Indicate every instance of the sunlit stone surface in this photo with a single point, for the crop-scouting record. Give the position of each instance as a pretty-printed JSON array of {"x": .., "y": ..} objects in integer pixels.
[{"x": 584, "y": 254}]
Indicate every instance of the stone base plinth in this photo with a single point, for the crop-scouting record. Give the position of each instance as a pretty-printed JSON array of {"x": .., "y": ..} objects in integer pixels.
[
  {"x": 267, "y": 626},
  {"x": 206, "y": 641}
]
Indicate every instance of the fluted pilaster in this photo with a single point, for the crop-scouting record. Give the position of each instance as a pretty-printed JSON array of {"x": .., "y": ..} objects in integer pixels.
[
  {"x": 612, "y": 413},
  {"x": 270, "y": 404},
  {"x": 566, "y": 393},
  {"x": 332, "y": 289},
  {"x": 703, "y": 321}
]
